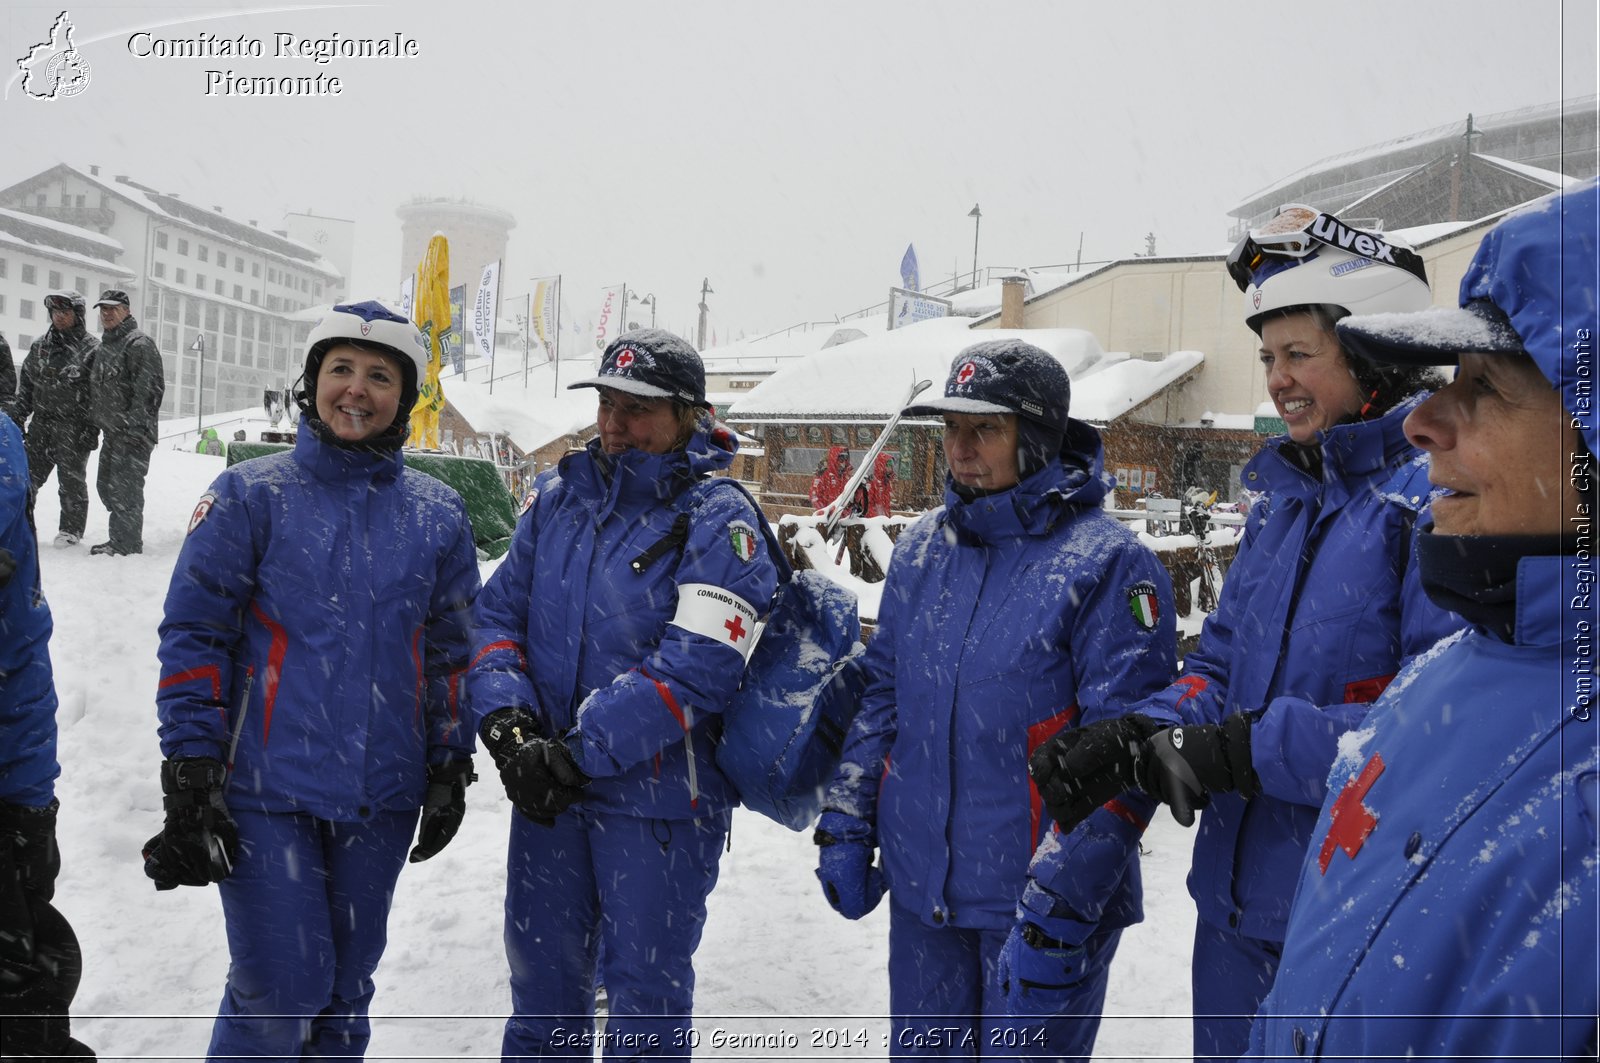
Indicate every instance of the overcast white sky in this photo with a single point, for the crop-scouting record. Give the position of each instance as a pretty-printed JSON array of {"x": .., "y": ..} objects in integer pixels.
[{"x": 786, "y": 152}]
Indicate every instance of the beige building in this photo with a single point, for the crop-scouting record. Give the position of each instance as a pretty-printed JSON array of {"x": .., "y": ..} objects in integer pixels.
[{"x": 1151, "y": 306}]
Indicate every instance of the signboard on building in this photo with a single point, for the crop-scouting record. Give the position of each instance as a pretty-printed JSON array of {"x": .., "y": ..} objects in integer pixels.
[{"x": 906, "y": 307}]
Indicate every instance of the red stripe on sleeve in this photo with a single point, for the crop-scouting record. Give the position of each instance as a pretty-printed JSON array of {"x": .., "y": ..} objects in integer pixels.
[
  {"x": 1126, "y": 813},
  {"x": 666, "y": 696},
  {"x": 1196, "y": 685},
  {"x": 1038, "y": 734},
  {"x": 503, "y": 644},
  {"x": 205, "y": 671}
]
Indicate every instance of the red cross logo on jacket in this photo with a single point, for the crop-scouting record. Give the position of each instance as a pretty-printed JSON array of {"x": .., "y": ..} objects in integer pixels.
[{"x": 1352, "y": 821}]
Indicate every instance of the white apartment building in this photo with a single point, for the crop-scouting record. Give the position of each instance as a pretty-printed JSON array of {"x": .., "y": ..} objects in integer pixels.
[
  {"x": 38, "y": 255},
  {"x": 223, "y": 298}
]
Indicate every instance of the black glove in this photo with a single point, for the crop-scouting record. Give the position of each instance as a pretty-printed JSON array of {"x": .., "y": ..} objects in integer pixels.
[
  {"x": 1184, "y": 766},
  {"x": 443, "y": 808},
  {"x": 1082, "y": 768},
  {"x": 29, "y": 862},
  {"x": 540, "y": 775},
  {"x": 197, "y": 844}
]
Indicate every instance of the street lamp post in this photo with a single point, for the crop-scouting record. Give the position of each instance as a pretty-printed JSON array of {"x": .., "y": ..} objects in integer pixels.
[
  {"x": 199, "y": 346},
  {"x": 705, "y": 290},
  {"x": 650, "y": 301},
  {"x": 977, "y": 217}
]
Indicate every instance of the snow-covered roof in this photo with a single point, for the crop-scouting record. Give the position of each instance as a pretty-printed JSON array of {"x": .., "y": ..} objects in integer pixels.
[
  {"x": 75, "y": 231},
  {"x": 196, "y": 217},
  {"x": 1552, "y": 178},
  {"x": 532, "y": 415},
  {"x": 1448, "y": 131},
  {"x": 870, "y": 377},
  {"x": 103, "y": 265},
  {"x": 767, "y": 353},
  {"x": 1238, "y": 421},
  {"x": 1108, "y": 391}
]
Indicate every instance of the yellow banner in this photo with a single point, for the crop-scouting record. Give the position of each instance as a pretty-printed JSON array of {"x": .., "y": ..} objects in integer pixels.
[
  {"x": 539, "y": 311},
  {"x": 431, "y": 312}
]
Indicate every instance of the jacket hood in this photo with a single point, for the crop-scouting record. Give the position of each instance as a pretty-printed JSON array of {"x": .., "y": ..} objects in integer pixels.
[
  {"x": 1076, "y": 479},
  {"x": 335, "y": 464},
  {"x": 710, "y": 449},
  {"x": 1538, "y": 268},
  {"x": 1360, "y": 448}
]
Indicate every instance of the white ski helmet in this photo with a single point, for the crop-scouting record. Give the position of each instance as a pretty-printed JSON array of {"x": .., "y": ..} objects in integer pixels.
[
  {"x": 1304, "y": 257},
  {"x": 372, "y": 325}
]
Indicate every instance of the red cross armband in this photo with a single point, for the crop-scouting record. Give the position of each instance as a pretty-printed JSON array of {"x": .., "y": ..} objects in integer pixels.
[{"x": 718, "y": 614}]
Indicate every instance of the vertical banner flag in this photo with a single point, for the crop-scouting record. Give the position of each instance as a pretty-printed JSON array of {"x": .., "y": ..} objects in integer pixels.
[
  {"x": 908, "y": 269},
  {"x": 452, "y": 344},
  {"x": 602, "y": 332},
  {"x": 485, "y": 308},
  {"x": 432, "y": 315},
  {"x": 543, "y": 315},
  {"x": 408, "y": 294}
]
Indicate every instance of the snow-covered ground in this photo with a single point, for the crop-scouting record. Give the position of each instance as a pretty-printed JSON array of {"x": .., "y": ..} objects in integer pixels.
[{"x": 775, "y": 959}]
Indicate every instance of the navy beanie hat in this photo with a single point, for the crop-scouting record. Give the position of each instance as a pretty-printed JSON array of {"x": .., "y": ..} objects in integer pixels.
[
  {"x": 652, "y": 363},
  {"x": 1005, "y": 376},
  {"x": 1011, "y": 376}
]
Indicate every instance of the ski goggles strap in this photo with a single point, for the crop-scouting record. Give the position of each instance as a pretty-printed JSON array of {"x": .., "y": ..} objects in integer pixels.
[{"x": 1295, "y": 233}]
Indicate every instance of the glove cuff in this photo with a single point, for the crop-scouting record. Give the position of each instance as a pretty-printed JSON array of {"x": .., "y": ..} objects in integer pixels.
[
  {"x": 1048, "y": 922},
  {"x": 192, "y": 773},
  {"x": 1236, "y": 746},
  {"x": 836, "y": 827},
  {"x": 28, "y": 819},
  {"x": 451, "y": 772},
  {"x": 505, "y": 729}
]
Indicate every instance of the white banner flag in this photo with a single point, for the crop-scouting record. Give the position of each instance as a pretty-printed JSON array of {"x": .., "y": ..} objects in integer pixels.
[
  {"x": 408, "y": 295},
  {"x": 484, "y": 309},
  {"x": 607, "y": 330}
]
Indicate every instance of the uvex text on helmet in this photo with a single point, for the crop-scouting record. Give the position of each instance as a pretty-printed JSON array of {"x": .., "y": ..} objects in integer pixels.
[{"x": 1310, "y": 258}]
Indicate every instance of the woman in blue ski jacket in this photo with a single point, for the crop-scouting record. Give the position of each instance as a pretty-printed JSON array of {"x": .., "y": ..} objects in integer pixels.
[
  {"x": 1449, "y": 904},
  {"x": 1320, "y": 608},
  {"x": 317, "y": 620},
  {"x": 1016, "y": 610},
  {"x": 609, "y": 641}
]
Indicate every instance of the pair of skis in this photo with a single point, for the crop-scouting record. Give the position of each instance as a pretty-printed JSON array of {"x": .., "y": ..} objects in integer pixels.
[{"x": 834, "y": 512}]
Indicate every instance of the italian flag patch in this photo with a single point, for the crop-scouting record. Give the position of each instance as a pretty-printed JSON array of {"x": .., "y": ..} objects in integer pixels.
[
  {"x": 1142, "y": 602},
  {"x": 743, "y": 539}
]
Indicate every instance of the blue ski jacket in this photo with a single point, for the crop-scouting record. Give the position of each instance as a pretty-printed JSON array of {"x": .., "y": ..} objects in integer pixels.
[
  {"x": 319, "y": 615},
  {"x": 1321, "y": 606},
  {"x": 1448, "y": 905},
  {"x": 633, "y": 668},
  {"x": 28, "y": 767},
  {"x": 1003, "y": 620}
]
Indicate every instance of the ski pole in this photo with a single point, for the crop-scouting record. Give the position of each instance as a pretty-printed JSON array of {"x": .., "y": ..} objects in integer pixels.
[{"x": 834, "y": 511}]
